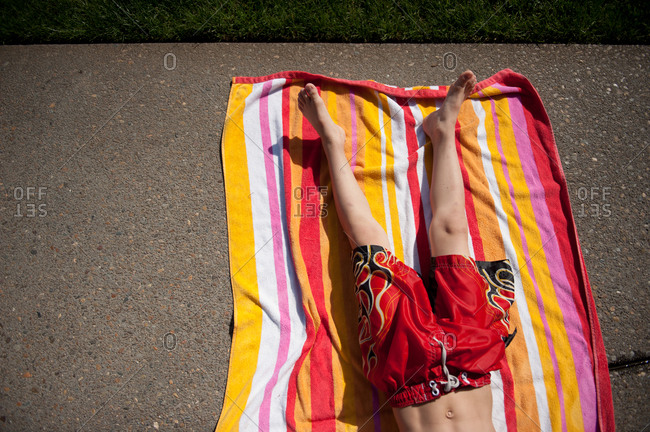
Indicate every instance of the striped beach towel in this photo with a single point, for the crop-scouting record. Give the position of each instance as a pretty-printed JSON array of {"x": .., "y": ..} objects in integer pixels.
[{"x": 295, "y": 363}]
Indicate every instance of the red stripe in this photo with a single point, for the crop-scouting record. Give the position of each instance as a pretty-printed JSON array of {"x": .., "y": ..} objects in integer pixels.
[
  {"x": 509, "y": 396},
  {"x": 323, "y": 416},
  {"x": 422, "y": 242},
  {"x": 286, "y": 170},
  {"x": 319, "y": 79}
]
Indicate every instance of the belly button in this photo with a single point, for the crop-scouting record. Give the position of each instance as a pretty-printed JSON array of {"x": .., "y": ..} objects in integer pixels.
[{"x": 449, "y": 414}]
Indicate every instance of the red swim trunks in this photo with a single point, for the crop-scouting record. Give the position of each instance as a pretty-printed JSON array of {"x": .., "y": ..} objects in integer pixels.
[{"x": 414, "y": 354}]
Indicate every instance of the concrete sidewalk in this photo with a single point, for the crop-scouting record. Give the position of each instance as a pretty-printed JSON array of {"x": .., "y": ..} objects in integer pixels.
[{"x": 116, "y": 305}]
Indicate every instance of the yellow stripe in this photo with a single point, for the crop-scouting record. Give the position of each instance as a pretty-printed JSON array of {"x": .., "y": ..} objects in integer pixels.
[
  {"x": 488, "y": 92},
  {"x": 248, "y": 314},
  {"x": 390, "y": 183},
  {"x": 345, "y": 351},
  {"x": 372, "y": 163},
  {"x": 386, "y": 129},
  {"x": 364, "y": 111},
  {"x": 353, "y": 373}
]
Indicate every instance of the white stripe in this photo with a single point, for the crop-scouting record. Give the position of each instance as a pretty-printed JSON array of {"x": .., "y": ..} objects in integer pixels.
[
  {"x": 521, "y": 304},
  {"x": 498, "y": 403},
  {"x": 384, "y": 189},
  {"x": 470, "y": 243},
  {"x": 262, "y": 233},
  {"x": 402, "y": 187},
  {"x": 420, "y": 166}
]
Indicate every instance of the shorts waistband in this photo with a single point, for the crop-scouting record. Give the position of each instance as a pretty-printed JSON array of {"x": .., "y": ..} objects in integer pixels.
[
  {"x": 439, "y": 386},
  {"x": 454, "y": 261},
  {"x": 433, "y": 389}
]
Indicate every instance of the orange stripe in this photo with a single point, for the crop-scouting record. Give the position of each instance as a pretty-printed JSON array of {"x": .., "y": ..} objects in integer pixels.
[
  {"x": 488, "y": 226},
  {"x": 517, "y": 356}
]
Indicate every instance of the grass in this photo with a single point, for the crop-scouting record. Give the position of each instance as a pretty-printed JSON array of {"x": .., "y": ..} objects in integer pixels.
[{"x": 419, "y": 21}]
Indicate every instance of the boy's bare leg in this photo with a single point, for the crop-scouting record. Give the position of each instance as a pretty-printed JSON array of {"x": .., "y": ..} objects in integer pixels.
[
  {"x": 466, "y": 409},
  {"x": 448, "y": 228},
  {"x": 351, "y": 204}
]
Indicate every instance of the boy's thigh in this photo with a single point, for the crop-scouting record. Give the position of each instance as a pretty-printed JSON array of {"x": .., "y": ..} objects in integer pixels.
[{"x": 368, "y": 232}]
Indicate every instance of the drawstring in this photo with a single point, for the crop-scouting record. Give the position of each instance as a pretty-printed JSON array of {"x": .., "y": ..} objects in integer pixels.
[{"x": 452, "y": 380}]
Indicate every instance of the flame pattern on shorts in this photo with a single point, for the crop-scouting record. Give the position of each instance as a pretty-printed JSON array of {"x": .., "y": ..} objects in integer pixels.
[
  {"x": 501, "y": 289},
  {"x": 371, "y": 266}
]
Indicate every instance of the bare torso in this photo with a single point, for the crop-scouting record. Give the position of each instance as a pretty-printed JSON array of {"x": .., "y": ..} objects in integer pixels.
[{"x": 468, "y": 409}]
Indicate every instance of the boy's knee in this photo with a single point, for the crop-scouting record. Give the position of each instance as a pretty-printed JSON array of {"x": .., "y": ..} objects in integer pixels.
[{"x": 448, "y": 223}]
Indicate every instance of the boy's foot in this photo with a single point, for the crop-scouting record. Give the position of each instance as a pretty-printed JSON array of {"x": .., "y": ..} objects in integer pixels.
[
  {"x": 313, "y": 108},
  {"x": 445, "y": 117}
]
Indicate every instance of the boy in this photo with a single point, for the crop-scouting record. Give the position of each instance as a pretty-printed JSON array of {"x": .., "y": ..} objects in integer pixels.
[{"x": 432, "y": 357}]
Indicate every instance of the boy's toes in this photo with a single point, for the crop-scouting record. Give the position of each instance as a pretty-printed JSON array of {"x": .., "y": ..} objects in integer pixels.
[
  {"x": 302, "y": 97},
  {"x": 311, "y": 90}
]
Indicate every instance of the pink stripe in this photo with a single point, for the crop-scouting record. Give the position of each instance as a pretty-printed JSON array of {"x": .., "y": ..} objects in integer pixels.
[
  {"x": 353, "y": 138},
  {"x": 278, "y": 253},
  {"x": 579, "y": 348},
  {"x": 540, "y": 300}
]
